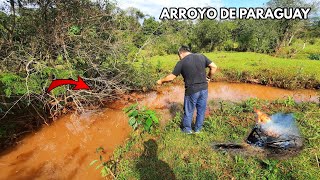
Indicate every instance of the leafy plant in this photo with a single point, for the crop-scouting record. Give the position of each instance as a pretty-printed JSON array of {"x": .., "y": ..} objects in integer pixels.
[
  {"x": 12, "y": 83},
  {"x": 289, "y": 102},
  {"x": 141, "y": 117},
  {"x": 74, "y": 30},
  {"x": 250, "y": 104},
  {"x": 271, "y": 166},
  {"x": 104, "y": 166},
  {"x": 314, "y": 56}
]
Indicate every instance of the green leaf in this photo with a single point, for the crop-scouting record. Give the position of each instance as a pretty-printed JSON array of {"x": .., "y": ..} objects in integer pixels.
[
  {"x": 154, "y": 118},
  {"x": 141, "y": 116},
  {"x": 150, "y": 112},
  {"x": 135, "y": 126},
  {"x": 99, "y": 166},
  {"x": 149, "y": 122},
  {"x": 92, "y": 162},
  {"x": 74, "y": 30},
  {"x": 133, "y": 113},
  {"x": 132, "y": 121},
  {"x": 104, "y": 172},
  {"x": 7, "y": 92},
  {"x": 146, "y": 127},
  {"x": 126, "y": 110}
]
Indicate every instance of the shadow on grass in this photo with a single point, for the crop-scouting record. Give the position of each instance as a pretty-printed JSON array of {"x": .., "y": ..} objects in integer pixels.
[
  {"x": 175, "y": 108},
  {"x": 150, "y": 167}
]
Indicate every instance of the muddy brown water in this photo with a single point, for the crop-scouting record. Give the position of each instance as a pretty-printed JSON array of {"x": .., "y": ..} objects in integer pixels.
[{"x": 65, "y": 149}]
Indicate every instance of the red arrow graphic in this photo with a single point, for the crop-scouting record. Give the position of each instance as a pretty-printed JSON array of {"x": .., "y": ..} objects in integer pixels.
[{"x": 80, "y": 84}]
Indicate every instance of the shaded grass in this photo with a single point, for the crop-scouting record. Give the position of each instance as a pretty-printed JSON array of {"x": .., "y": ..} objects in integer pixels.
[
  {"x": 256, "y": 68},
  {"x": 191, "y": 156}
]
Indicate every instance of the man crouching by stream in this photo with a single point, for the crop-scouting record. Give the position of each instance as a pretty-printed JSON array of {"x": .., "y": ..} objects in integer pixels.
[{"x": 192, "y": 67}]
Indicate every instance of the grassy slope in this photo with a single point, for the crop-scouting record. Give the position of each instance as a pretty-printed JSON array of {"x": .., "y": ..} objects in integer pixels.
[
  {"x": 300, "y": 52},
  {"x": 190, "y": 156},
  {"x": 260, "y": 68}
]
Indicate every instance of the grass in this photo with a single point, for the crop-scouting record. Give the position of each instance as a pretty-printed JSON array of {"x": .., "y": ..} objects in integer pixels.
[
  {"x": 168, "y": 153},
  {"x": 256, "y": 68},
  {"x": 301, "y": 50}
]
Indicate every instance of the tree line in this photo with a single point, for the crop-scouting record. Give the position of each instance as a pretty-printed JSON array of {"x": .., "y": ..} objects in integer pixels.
[
  {"x": 42, "y": 40},
  {"x": 262, "y": 36}
]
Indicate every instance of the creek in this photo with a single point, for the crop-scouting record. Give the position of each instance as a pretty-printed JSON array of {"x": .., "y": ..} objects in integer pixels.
[{"x": 65, "y": 149}]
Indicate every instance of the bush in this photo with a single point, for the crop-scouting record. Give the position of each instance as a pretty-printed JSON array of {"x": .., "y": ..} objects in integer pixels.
[
  {"x": 314, "y": 56},
  {"x": 141, "y": 117},
  {"x": 312, "y": 41},
  {"x": 94, "y": 50}
]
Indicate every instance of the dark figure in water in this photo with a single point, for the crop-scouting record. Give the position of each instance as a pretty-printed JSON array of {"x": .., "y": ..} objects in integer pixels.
[{"x": 150, "y": 167}]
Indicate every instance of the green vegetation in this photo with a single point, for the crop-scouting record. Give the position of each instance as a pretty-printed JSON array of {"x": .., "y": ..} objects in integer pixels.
[
  {"x": 118, "y": 51},
  {"x": 192, "y": 157},
  {"x": 256, "y": 68},
  {"x": 314, "y": 56},
  {"x": 42, "y": 41},
  {"x": 46, "y": 40},
  {"x": 105, "y": 167},
  {"x": 301, "y": 49},
  {"x": 141, "y": 117}
]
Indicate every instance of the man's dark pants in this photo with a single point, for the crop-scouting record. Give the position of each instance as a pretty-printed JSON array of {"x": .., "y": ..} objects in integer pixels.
[{"x": 197, "y": 100}]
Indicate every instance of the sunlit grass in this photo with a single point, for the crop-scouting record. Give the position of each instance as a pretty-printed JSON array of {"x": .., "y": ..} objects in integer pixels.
[
  {"x": 302, "y": 49},
  {"x": 255, "y": 67},
  {"x": 191, "y": 156}
]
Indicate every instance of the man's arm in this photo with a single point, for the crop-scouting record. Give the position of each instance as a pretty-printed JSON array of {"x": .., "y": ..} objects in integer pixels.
[
  {"x": 213, "y": 68},
  {"x": 168, "y": 78}
]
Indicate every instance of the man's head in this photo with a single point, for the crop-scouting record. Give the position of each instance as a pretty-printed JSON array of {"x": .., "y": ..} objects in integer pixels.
[{"x": 183, "y": 51}]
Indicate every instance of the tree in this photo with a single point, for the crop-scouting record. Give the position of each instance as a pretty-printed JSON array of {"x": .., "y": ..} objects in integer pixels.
[
  {"x": 63, "y": 39},
  {"x": 209, "y": 34},
  {"x": 287, "y": 29}
]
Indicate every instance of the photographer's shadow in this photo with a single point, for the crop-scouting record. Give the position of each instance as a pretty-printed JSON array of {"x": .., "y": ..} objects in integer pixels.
[{"x": 150, "y": 167}]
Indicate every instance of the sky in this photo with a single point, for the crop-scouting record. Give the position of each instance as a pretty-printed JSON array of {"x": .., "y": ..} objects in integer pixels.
[{"x": 154, "y": 7}]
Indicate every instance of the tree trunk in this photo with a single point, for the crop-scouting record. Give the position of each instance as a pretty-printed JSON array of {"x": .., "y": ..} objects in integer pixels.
[
  {"x": 291, "y": 38},
  {"x": 11, "y": 30}
]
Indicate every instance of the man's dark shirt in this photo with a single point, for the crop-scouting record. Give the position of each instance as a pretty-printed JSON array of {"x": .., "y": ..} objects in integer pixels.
[{"x": 193, "y": 70}]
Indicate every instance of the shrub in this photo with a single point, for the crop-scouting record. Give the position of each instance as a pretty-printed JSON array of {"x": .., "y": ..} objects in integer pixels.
[
  {"x": 141, "y": 117},
  {"x": 312, "y": 41},
  {"x": 314, "y": 56},
  {"x": 105, "y": 167}
]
